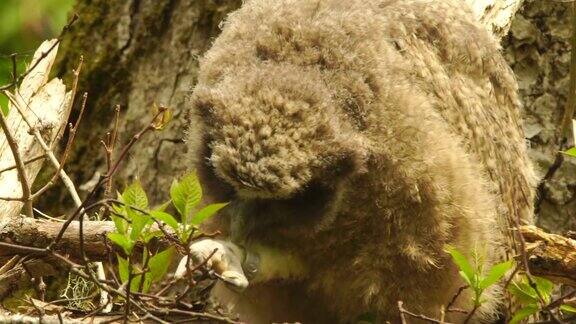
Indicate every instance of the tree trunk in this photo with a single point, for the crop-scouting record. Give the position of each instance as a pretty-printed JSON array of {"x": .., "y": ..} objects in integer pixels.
[
  {"x": 538, "y": 49},
  {"x": 137, "y": 53},
  {"x": 142, "y": 52}
]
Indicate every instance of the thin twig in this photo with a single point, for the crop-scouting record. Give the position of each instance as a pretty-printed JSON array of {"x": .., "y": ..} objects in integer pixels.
[
  {"x": 65, "y": 178},
  {"x": 425, "y": 318},
  {"x": 455, "y": 297},
  {"x": 34, "y": 159},
  {"x": 42, "y": 56},
  {"x": 26, "y": 192},
  {"x": 472, "y": 312},
  {"x": 71, "y": 136},
  {"x": 104, "y": 178}
]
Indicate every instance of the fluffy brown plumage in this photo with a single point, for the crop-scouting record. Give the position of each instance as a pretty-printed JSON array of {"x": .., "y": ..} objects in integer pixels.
[{"x": 355, "y": 140}]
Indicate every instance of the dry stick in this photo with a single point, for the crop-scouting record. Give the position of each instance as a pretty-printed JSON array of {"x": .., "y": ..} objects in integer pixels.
[
  {"x": 34, "y": 159},
  {"x": 472, "y": 312},
  {"x": 56, "y": 175},
  {"x": 103, "y": 178},
  {"x": 101, "y": 181},
  {"x": 26, "y": 192},
  {"x": 22, "y": 176},
  {"x": 44, "y": 55},
  {"x": 25, "y": 249},
  {"x": 525, "y": 263},
  {"x": 144, "y": 267},
  {"x": 9, "y": 264},
  {"x": 190, "y": 271},
  {"x": 95, "y": 311},
  {"x": 104, "y": 300},
  {"x": 455, "y": 297},
  {"x": 74, "y": 268},
  {"x": 14, "y": 69},
  {"x": 558, "y": 302},
  {"x": 110, "y": 260},
  {"x": 112, "y": 142},
  {"x": 425, "y": 318},
  {"x": 71, "y": 136},
  {"x": 509, "y": 281},
  {"x": 108, "y": 153},
  {"x": 59, "y": 166},
  {"x": 129, "y": 290},
  {"x": 36, "y": 133}
]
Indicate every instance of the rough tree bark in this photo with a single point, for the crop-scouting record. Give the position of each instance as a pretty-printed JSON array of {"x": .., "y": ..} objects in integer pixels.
[
  {"x": 137, "y": 53},
  {"x": 144, "y": 51},
  {"x": 538, "y": 49}
]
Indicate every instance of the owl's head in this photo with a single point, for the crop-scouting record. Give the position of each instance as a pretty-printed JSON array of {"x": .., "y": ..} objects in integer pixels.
[{"x": 272, "y": 130}]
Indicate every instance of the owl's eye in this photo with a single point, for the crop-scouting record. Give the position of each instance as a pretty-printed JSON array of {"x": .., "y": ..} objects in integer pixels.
[
  {"x": 307, "y": 205},
  {"x": 314, "y": 197}
]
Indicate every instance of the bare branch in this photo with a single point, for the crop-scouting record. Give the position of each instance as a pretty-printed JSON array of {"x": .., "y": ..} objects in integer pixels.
[{"x": 26, "y": 192}]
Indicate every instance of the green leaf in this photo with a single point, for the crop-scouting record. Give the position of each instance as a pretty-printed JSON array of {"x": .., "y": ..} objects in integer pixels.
[
  {"x": 544, "y": 287},
  {"x": 147, "y": 283},
  {"x": 165, "y": 218},
  {"x": 186, "y": 194},
  {"x": 177, "y": 197},
  {"x": 568, "y": 309},
  {"x": 4, "y": 107},
  {"x": 207, "y": 212},
  {"x": 163, "y": 206},
  {"x": 120, "y": 223},
  {"x": 124, "y": 271},
  {"x": 122, "y": 241},
  {"x": 495, "y": 274},
  {"x": 571, "y": 152},
  {"x": 465, "y": 277},
  {"x": 135, "y": 283},
  {"x": 523, "y": 313},
  {"x": 123, "y": 268},
  {"x": 466, "y": 270},
  {"x": 159, "y": 264},
  {"x": 139, "y": 221},
  {"x": 185, "y": 232},
  {"x": 523, "y": 292},
  {"x": 135, "y": 196},
  {"x": 147, "y": 236}
]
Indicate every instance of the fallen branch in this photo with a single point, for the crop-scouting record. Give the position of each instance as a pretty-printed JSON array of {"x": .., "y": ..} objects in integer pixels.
[
  {"x": 37, "y": 234},
  {"x": 550, "y": 255}
]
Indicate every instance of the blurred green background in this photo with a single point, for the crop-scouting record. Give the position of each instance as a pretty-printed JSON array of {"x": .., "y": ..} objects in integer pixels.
[{"x": 24, "y": 24}]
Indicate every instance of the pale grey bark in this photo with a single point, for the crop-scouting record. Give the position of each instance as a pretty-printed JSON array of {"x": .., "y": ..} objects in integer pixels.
[{"x": 37, "y": 103}]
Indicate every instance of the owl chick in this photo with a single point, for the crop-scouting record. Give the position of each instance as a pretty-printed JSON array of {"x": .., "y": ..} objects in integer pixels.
[{"x": 355, "y": 140}]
